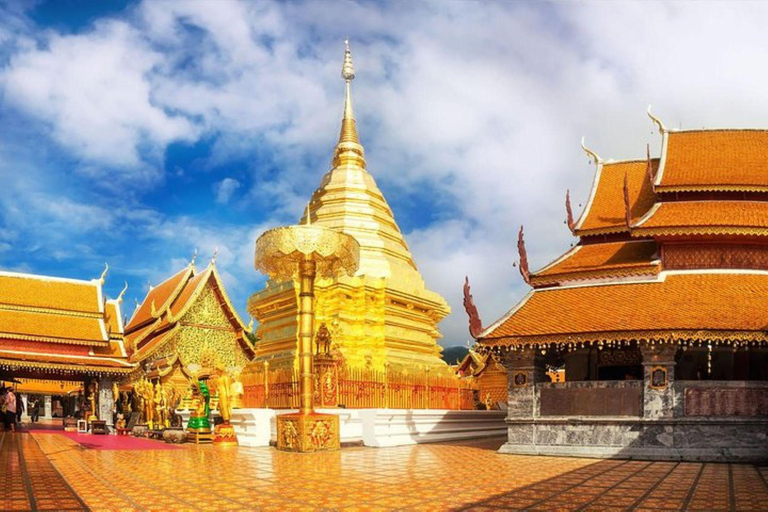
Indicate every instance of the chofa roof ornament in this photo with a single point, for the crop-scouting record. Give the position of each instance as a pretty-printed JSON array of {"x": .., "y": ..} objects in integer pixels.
[
  {"x": 592, "y": 155},
  {"x": 657, "y": 121}
]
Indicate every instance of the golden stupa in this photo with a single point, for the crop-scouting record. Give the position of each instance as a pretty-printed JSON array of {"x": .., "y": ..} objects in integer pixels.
[{"x": 381, "y": 318}]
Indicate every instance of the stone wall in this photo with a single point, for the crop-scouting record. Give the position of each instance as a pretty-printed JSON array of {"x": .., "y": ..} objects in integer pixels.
[{"x": 675, "y": 420}]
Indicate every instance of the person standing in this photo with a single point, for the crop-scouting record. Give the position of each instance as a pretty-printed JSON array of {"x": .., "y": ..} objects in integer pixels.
[
  {"x": 35, "y": 409},
  {"x": 19, "y": 410},
  {"x": 4, "y": 409},
  {"x": 10, "y": 407}
]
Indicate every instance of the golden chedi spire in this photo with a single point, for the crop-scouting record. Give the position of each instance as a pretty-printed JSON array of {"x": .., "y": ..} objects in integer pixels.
[
  {"x": 382, "y": 315},
  {"x": 348, "y": 150}
]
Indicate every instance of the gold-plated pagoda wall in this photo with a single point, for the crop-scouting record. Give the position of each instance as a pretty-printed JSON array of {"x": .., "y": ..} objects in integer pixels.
[{"x": 384, "y": 315}]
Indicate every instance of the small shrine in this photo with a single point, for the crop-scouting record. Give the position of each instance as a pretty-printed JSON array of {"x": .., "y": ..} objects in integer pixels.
[{"x": 183, "y": 331}]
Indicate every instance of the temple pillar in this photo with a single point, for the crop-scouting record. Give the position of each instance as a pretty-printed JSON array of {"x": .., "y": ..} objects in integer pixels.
[
  {"x": 658, "y": 380},
  {"x": 25, "y": 401},
  {"x": 48, "y": 408},
  {"x": 106, "y": 400},
  {"x": 524, "y": 370}
]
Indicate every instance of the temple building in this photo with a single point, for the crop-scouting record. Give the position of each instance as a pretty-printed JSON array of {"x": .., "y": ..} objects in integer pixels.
[
  {"x": 186, "y": 320},
  {"x": 59, "y": 336},
  {"x": 657, "y": 315},
  {"x": 382, "y": 318}
]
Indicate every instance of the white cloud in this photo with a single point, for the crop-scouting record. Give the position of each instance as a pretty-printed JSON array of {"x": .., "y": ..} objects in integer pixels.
[
  {"x": 225, "y": 189},
  {"x": 93, "y": 91},
  {"x": 476, "y": 106}
]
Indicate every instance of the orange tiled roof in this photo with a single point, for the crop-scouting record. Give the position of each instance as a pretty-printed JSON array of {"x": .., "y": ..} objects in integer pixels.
[
  {"x": 82, "y": 330},
  {"x": 705, "y": 217},
  {"x": 146, "y": 338},
  {"x": 704, "y": 305},
  {"x": 114, "y": 349},
  {"x": 187, "y": 293},
  {"x": 113, "y": 319},
  {"x": 162, "y": 295},
  {"x": 61, "y": 362},
  {"x": 600, "y": 260},
  {"x": 715, "y": 160},
  {"x": 605, "y": 211},
  {"x": 152, "y": 344},
  {"x": 42, "y": 292}
]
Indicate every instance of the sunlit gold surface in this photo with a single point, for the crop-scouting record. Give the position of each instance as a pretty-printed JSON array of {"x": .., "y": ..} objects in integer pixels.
[
  {"x": 429, "y": 477},
  {"x": 310, "y": 432},
  {"x": 385, "y": 313},
  {"x": 279, "y": 252},
  {"x": 305, "y": 252}
]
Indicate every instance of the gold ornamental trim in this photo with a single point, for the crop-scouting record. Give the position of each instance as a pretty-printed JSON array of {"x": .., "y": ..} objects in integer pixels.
[
  {"x": 602, "y": 231},
  {"x": 47, "y": 339},
  {"x": 696, "y": 336},
  {"x": 712, "y": 188},
  {"x": 700, "y": 230},
  {"x": 140, "y": 355},
  {"x": 65, "y": 367},
  {"x": 280, "y": 250},
  {"x": 192, "y": 298}
]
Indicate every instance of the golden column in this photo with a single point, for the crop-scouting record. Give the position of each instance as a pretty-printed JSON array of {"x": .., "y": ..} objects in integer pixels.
[{"x": 305, "y": 252}]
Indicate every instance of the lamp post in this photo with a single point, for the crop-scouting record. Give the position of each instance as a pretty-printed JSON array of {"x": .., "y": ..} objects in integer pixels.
[{"x": 304, "y": 253}]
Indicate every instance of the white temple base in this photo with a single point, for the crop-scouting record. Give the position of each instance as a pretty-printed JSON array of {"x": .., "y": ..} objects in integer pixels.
[
  {"x": 397, "y": 427},
  {"x": 376, "y": 427}
]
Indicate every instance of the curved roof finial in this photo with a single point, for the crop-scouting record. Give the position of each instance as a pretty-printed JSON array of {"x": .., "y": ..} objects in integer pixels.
[
  {"x": 592, "y": 155},
  {"x": 215, "y": 253},
  {"x": 120, "y": 297},
  {"x": 656, "y": 121},
  {"x": 104, "y": 274},
  {"x": 194, "y": 257}
]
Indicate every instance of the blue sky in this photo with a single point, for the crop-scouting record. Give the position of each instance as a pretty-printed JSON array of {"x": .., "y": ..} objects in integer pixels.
[{"x": 135, "y": 132}]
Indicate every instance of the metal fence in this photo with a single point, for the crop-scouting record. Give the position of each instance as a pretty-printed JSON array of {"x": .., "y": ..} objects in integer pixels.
[{"x": 360, "y": 388}]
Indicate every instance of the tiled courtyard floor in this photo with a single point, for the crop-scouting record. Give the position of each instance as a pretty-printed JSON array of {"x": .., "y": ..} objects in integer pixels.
[{"x": 55, "y": 472}]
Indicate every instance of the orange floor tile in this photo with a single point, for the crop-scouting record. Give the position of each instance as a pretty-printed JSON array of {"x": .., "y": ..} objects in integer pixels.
[{"x": 53, "y": 472}]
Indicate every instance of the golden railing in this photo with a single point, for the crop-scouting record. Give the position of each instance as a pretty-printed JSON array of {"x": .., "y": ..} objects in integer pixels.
[{"x": 361, "y": 388}]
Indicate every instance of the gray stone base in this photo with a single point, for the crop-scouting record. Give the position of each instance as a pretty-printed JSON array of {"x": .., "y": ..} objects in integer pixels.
[{"x": 628, "y": 438}]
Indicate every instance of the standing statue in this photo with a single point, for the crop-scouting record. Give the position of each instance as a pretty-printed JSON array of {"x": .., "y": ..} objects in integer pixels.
[
  {"x": 161, "y": 406},
  {"x": 224, "y": 433},
  {"x": 198, "y": 419},
  {"x": 224, "y": 390},
  {"x": 93, "y": 391},
  {"x": 138, "y": 397}
]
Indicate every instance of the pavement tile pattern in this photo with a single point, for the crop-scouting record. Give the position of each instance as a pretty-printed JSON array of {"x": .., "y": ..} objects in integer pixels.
[{"x": 53, "y": 471}]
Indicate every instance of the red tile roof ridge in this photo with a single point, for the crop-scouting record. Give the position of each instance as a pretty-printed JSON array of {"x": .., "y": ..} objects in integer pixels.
[{"x": 158, "y": 312}]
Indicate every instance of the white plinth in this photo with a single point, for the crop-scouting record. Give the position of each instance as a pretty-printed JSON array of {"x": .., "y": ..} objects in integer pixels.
[
  {"x": 376, "y": 427},
  {"x": 253, "y": 426},
  {"x": 397, "y": 427}
]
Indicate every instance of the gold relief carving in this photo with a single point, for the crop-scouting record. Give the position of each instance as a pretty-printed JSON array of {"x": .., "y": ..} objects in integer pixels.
[
  {"x": 290, "y": 435},
  {"x": 209, "y": 347},
  {"x": 207, "y": 311},
  {"x": 308, "y": 433},
  {"x": 321, "y": 434}
]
